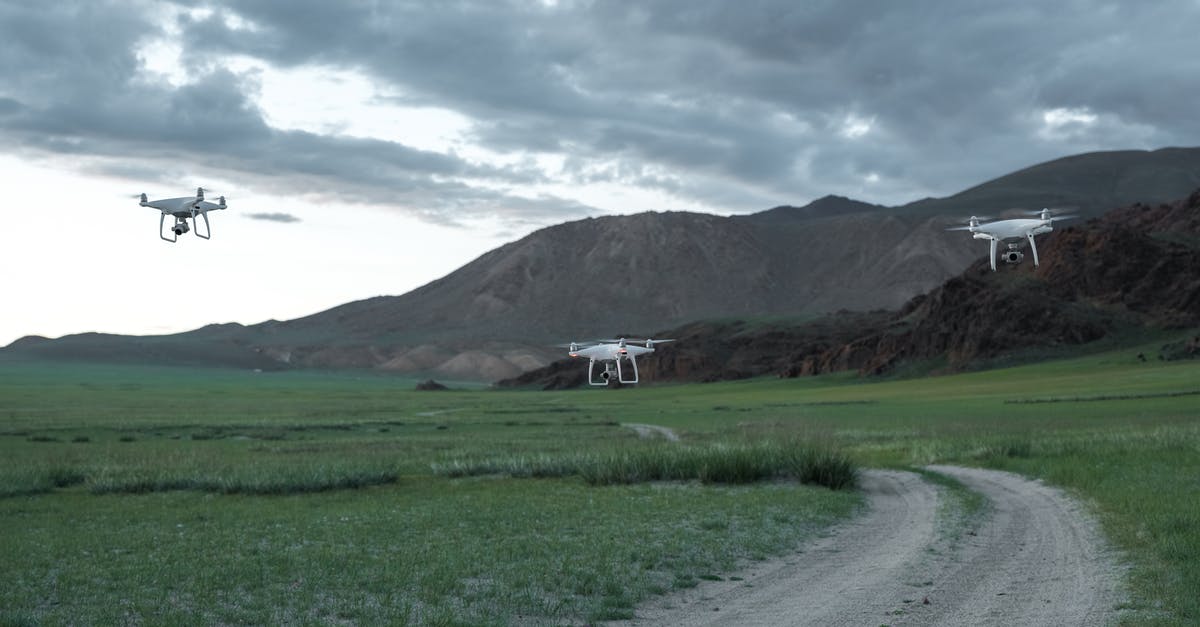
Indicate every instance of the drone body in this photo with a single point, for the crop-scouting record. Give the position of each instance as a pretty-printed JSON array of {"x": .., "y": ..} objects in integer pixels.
[
  {"x": 1015, "y": 229},
  {"x": 611, "y": 353},
  {"x": 182, "y": 209}
]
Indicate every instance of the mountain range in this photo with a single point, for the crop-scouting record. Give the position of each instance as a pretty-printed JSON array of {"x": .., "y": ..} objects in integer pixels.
[
  {"x": 498, "y": 315},
  {"x": 1129, "y": 270}
]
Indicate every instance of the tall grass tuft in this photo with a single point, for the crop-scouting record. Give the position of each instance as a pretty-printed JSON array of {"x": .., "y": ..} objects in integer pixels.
[
  {"x": 525, "y": 466},
  {"x": 273, "y": 480},
  {"x": 716, "y": 463},
  {"x": 39, "y": 478},
  {"x": 822, "y": 466}
]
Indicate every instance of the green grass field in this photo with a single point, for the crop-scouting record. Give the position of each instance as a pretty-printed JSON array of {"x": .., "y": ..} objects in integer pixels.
[{"x": 133, "y": 494}]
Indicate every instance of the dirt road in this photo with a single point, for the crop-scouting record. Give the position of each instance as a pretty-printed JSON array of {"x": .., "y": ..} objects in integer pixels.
[{"x": 1033, "y": 558}]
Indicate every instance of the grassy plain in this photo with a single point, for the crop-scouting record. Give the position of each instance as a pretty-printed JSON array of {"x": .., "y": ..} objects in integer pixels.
[{"x": 170, "y": 495}]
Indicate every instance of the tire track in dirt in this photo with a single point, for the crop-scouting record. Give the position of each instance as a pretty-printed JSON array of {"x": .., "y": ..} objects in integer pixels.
[
  {"x": 1037, "y": 559},
  {"x": 1034, "y": 558}
]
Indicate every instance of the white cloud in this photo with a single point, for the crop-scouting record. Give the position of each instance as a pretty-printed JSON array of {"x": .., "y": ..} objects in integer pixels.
[
  {"x": 1063, "y": 122},
  {"x": 855, "y": 126},
  {"x": 1082, "y": 128},
  {"x": 333, "y": 101}
]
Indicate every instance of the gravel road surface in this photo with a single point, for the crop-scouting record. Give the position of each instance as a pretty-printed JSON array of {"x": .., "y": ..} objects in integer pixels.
[{"x": 1034, "y": 557}]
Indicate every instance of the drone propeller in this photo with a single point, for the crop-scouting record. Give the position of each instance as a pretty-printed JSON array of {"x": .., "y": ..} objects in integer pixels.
[
  {"x": 202, "y": 193},
  {"x": 574, "y": 346},
  {"x": 200, "y": 197},
  {"x": 1034, "y": 212},
  {"x": 972, "y": 222},
  {"x": 1050, "y": 213},
  {"x": 648, "y": 343}
]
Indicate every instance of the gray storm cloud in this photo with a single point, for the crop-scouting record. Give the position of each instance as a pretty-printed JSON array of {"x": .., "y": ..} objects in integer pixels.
[
  {"x": 285, "y": 218},
  {"x": 739, "y": 106}
]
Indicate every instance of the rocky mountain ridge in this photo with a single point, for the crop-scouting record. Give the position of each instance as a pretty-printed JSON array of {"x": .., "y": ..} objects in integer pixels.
[{"x": 1134, "y": 267}]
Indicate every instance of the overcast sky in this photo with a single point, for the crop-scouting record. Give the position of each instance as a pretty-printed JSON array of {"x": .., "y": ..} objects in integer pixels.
[{"x": 367, "y": 148}]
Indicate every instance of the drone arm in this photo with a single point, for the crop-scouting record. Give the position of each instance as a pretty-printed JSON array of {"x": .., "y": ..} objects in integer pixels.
[
  {"x": 1033, "y": 247},
  {"x": 162, "y": 219}
]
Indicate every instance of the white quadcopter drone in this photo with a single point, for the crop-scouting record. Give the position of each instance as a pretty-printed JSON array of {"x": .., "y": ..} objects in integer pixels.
[
  {"x": 182, "y": 209},
  {"x": 611, "y": 353},
  {"x": 1002, "y": 230}
]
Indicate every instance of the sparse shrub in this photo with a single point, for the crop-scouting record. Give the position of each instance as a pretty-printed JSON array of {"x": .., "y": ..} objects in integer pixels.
[
  {"x": 684, "y": 581},
  {"x": 1017, "y": 448},
  {"x": 63, "y": 477},
  {"x": 1014, "y": 448}
]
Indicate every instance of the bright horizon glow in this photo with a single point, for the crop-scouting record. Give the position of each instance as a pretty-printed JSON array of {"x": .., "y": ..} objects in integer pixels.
[{"x": 92, "y": 259}]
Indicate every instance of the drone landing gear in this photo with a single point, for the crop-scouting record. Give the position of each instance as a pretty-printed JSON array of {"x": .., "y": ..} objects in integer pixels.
[
  {"x": 178, "y": 229},
  {"x": 207, "y": 228},
  {"x": 613, "y": 373},
  {"x": 181, "y": 226}
]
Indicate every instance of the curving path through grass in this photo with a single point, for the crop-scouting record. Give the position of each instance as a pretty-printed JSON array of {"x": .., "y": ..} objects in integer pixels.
[{"x": 1034, "y": 557}]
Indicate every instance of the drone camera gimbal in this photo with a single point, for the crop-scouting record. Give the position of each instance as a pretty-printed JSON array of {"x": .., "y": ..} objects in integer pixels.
[{"x": 612, "y": 372}]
